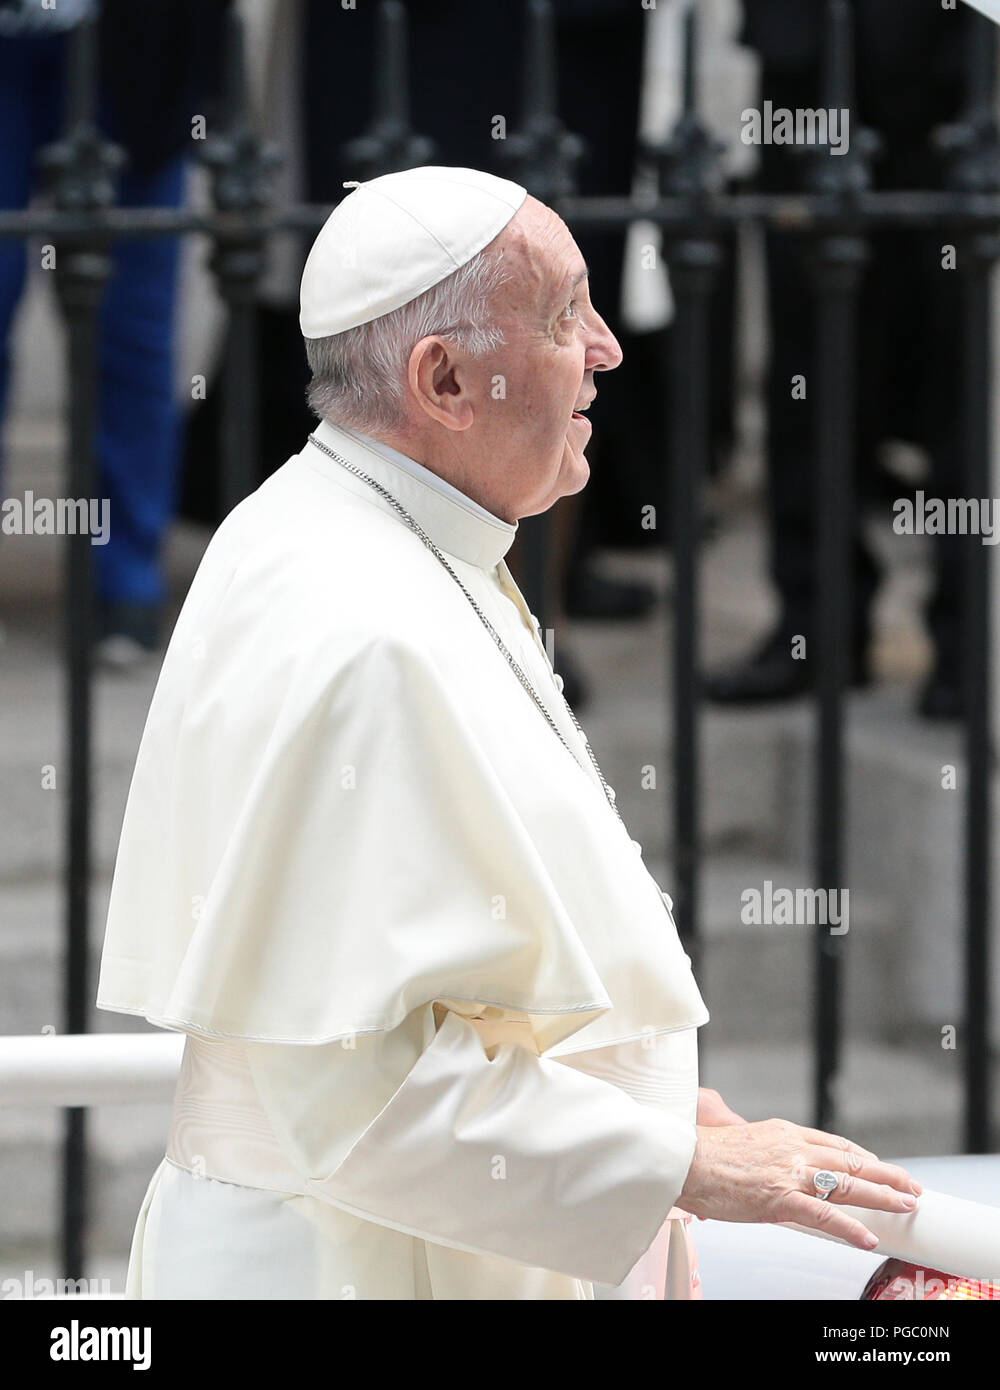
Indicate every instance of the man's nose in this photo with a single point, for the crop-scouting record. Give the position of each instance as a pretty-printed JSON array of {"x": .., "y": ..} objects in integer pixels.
[{"x": 603, "y": 351}]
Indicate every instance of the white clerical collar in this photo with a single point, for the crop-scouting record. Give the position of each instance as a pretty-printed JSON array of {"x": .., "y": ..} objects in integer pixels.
[
  {"x": 453, "y": 521},
  {"x": 420, "y": 471}
]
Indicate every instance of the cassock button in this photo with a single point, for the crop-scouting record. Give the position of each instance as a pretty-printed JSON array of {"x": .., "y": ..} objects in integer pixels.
[
  {"x": 558, "y": 680},
  {"x": 613, "y": 794},
  {"x": 637, "y": 847}
]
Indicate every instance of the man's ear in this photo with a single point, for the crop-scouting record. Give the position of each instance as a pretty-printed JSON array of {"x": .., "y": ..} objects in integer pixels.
[{"x": 437, "y": 377}]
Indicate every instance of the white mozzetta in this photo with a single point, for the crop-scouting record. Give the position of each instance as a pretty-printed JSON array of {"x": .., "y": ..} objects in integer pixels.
[
  {"x": 345, "y": 806},
  {"x": 442, "y": 1029}
]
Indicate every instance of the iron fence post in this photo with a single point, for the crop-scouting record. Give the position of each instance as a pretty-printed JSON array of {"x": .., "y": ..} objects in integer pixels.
[
  {"x": 973, "y": 148},
  {"x": 689, "y": 171},
  {"x": 240, "y": 164},
  {"x": 840, "y": 256},
  {"x": 391, "y": 143},
  {"x": 80, "y": 167}
]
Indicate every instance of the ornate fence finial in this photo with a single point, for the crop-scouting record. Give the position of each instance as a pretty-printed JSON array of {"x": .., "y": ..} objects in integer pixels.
[
  {"x": 850, "y": 171},
  {"x": 240, "y": 162},
  {"x": 390, "y": 144},
  {"x": 542, "y": 154},
  {"x": 971, "y": 145},
  {"x": 81, "y": 166},
  {"x": 688, "y": 160}
]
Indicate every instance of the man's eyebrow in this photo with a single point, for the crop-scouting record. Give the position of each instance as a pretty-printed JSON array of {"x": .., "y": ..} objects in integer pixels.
[{"x": 580, "y": 276}]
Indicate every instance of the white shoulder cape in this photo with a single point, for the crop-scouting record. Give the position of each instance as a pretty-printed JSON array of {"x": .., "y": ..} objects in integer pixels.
[{"x": 345, "y": 806}]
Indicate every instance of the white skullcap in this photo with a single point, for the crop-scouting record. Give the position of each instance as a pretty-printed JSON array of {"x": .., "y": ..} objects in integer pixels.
[{"x": 396, "y": 236}]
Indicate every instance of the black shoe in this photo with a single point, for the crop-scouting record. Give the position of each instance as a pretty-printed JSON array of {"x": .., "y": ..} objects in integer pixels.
[
  {"x": 772, "y": 673},
  {"x": 130, "y": 634},
  {"x": 593, "y": 596},
  {"x": 942, "y": 697}
]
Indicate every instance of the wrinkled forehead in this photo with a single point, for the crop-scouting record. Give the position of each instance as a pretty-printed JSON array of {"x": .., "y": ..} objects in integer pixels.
[{"x": 540, "y": 257}]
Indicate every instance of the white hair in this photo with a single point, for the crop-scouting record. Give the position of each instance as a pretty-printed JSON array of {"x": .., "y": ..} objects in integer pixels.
[{"x": 359, "y": 376}]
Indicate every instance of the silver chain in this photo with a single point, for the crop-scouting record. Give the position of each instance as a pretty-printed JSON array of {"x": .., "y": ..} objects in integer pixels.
[{"x": 511, "y": 662}]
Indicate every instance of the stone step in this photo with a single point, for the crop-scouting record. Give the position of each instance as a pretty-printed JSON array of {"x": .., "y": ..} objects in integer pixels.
[
  {"x": 891, "y": 1100},
  {"x": 757, "y": 976},
  {"x": 126, "y": 1143},
  {"x": 31, "y": 958},
  {"x": 33, "y": 752},
  {"x": 904, "y": 828}
]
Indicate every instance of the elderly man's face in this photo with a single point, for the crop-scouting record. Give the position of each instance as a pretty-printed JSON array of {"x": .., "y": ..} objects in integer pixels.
[
  {"x": 506, "y": 428},
  {"x": 525, "y": 441},
  {"x": 533, "y": 435}
]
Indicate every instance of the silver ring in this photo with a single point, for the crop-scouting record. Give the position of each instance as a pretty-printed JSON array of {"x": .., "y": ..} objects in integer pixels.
[{"x": 825, "y": 1182}]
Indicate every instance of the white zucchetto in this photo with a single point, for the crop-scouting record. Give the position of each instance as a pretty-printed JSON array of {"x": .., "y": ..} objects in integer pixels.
[{"x": 396, "y": 236}]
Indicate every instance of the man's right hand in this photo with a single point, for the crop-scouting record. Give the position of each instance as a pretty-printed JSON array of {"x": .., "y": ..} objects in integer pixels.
[{"x": 764, "y": 1172}]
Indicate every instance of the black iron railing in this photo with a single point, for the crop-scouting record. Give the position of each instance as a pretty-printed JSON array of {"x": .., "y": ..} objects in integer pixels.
[{"x": 836, "y": 213}]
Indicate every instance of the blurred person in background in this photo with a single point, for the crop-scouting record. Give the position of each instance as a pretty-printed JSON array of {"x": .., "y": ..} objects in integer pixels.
[
  {"x": 158, "y": 63},
  {"x": 908, "y": 63}
]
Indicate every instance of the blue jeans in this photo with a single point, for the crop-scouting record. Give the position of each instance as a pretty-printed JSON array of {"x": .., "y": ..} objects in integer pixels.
[{"x": 138, "y": 442}]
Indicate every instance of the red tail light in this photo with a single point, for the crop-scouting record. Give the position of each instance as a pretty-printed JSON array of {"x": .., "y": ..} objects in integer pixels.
[{"x": 898, "y": 1280}]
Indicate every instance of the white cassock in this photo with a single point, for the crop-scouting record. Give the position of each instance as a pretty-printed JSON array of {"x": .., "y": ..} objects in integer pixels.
[{"x": 441, "y": 1030}]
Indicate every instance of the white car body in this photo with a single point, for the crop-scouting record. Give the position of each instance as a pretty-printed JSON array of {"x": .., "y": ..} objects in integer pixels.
[{"x": 773, "y": 1262}]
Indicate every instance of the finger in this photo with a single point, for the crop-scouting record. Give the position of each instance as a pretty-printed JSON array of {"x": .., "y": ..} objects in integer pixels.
[
  {"x": 833, "y": 1141},
  {"x": 858, "y": 1165},
  {"x": 856, "y": 1192},
  {"x": 845, "y": 1146},
  {"x": 821, "y": 1216}
]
